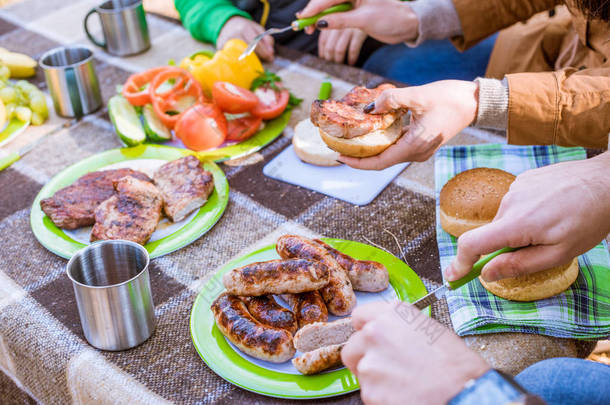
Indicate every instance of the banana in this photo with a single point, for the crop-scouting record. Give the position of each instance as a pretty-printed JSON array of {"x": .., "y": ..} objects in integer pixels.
[{"x": 19, "y": 64}]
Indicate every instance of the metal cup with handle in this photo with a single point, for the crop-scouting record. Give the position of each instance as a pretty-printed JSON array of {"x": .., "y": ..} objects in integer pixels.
[
  {"x": 71, "y": 79},
  {"x": 123, "y": 25},
  {"x": 112, "y": 286}
]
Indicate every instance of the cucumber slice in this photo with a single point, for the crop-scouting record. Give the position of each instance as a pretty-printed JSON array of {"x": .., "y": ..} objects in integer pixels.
[
  {"x": 126, "y": 121},
  {"x": 154, "y": 128}
]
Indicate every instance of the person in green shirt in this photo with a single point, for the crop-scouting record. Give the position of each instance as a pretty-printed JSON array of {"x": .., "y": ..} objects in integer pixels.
[{"x": 217, "y": 21}]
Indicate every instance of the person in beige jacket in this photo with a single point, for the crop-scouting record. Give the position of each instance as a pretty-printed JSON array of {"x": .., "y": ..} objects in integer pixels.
[{"x": 548, "y": 79}]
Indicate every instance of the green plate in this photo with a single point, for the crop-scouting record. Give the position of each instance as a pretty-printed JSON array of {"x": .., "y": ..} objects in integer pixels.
[
  {"x": 11, "y": 130},
  {"x": 237, "y": 369},
  {"x": 61, "y": 243}
]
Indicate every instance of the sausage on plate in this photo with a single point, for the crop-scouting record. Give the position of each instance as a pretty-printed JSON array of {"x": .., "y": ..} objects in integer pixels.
[
  {"x": 267, "y": 311},
  {"x": 308, "y": 307},
  {"x": 321, "y": 334},
  {"x": 316, "y": 361},
  {"x": 248, "y": 334}
]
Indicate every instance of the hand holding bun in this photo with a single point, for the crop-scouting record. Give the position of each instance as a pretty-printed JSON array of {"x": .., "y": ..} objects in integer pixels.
[{"x": 557, "y": 212}]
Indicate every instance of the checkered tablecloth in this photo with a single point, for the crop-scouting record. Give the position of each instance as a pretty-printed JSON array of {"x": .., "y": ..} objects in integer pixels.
[
  {"x": 583, "y": 311},
  {"x": 43, "y": 354}
]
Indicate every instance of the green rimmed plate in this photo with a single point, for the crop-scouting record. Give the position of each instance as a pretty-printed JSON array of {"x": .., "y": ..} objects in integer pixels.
[
  {"x": 262, "y": 138},
  {"x": 167, "y": 238},
  {"x": 278, "y": 380}
]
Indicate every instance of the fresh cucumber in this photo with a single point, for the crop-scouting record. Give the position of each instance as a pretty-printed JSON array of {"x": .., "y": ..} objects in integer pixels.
[
  {"x": 126, "y": 121},
  {"x": 154, "y": 128}
]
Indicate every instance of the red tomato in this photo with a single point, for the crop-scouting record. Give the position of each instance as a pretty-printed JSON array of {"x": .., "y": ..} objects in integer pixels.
[
  {"x": 271, "y": 104},
  {"x": 134, "y": 88},
  {"x": 201, "y": 127},
  {"x": 241, "y": 129},
  {"x": 233, "y": 99}
]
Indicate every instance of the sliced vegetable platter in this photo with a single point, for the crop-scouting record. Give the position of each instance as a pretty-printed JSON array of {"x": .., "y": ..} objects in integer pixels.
[
  {"x": 282, "y": 380},
  {"x": 214, "y": 104},
  {"x": 168, "y": 236}
]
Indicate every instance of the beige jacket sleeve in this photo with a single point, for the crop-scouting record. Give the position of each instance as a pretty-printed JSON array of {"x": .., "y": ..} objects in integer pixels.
[{"x": 567, "y": 108}]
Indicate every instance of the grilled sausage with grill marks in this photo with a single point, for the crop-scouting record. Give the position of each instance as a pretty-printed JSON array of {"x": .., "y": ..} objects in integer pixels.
[
  {"x": 365, "y": 275},
  {"x": 308, "y": 307},
  {"x": 338, "y": 294},
  {"x": 316, "y": 361},
  {"x": 268, "y": 312},
  {"x": 276, "y": 277},
  {"x": 248, "y": 334}
]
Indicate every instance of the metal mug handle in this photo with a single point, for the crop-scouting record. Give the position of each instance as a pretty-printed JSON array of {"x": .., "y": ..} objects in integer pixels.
[{"x": 101, "y": 44}]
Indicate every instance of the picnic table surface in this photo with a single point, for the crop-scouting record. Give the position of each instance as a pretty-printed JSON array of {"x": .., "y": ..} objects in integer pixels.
[{"x": 43, "y": 354}]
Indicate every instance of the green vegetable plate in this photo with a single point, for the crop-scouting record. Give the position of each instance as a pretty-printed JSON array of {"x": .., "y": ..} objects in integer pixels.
[
  {"x": 282, "y": 380},
  {"x": 12, "y": 129},
  {"x": 168, "y": 236}
]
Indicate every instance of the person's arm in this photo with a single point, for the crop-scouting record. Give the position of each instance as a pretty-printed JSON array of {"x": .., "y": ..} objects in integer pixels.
[
  {"x": 480, "y": 19},
  {"x": 205, "y": 18}
]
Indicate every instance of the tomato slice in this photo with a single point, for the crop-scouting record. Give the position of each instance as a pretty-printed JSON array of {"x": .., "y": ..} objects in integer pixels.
[
  {"x": 202, "y": 127},
  {"x": 168, "y": 104},
  {"x": 134, "y": 89},
  {"x": 240, "y": 129},
  {"x": 271, "y": 103},
  {"x": 233, "y": 99}
]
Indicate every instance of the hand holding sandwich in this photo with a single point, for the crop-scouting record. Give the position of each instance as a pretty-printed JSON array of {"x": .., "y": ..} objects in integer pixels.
[
  {"x": 558, "y": 211},
  {"x": 439, "y": 111}
]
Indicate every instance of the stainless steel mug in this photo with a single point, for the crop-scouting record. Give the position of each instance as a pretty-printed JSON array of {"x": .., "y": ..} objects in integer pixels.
[
  {"x": 71, "y": 79},
  {"x": 112, "y": 288},
  {"x": 124, "y": 27}
]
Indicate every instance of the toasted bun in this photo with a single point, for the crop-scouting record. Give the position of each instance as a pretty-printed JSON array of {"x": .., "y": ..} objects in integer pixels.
[
  {"x": 472, "y": 198},
  {"x": 367, "y": 145},
  {"x": 309, "y": 146},
  {"x": 535, "y": 286}
]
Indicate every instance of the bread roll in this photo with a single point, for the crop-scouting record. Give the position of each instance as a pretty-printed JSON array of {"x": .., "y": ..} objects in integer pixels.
[{"x": 310, "y": 148}]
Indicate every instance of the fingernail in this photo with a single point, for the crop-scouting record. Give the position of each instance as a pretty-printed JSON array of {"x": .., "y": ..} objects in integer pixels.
[
  {"x": 369, "y": 107},
  {"x": 322, "y": 24},
  {"x": 449, "y": 273},
  {"x": 339, "y": 161}
]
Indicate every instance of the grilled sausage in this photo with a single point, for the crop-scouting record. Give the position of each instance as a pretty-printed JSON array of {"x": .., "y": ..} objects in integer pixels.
[
  {"x": 365, "y": 275},
  {"x": 265, "y": 310},
  {"x": 276, "y": 277},
  {"x": 248, "y": 334},
  {"x": 338, "y": 294},
  {"x": 321, "y": 334},
  {"x": 318, "y": 360},
  {"x": 308, "y": 307}
]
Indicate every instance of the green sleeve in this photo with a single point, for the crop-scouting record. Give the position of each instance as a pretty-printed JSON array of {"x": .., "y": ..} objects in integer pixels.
[{"x": 205, "y": 18}]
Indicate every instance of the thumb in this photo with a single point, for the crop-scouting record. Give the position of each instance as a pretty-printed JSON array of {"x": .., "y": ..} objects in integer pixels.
[{"x": 524, "y": 261}]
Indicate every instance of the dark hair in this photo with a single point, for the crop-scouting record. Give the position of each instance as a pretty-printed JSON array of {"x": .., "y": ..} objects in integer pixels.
[{"x": 595, "y": 9}]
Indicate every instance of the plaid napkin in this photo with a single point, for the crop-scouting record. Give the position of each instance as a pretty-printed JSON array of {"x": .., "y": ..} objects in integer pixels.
[{"x": 582, "y": 312}]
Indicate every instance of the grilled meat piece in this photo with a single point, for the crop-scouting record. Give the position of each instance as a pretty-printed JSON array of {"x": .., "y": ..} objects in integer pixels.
[
  {"x": 318, "y": 360},
  {"x": 308, "y": 307},
  {"x": 345, "y": 118},
  {"x": 132, "y": 214},
  {"x": 268, "y": 312},
  {"x": 184, "y": 186},
  {"x": 74, "y": 206}
]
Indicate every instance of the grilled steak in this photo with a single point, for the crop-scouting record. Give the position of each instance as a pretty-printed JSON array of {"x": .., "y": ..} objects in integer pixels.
[
  {"x": 345, "y": 118},
  {"x": 132, "y": 214},
  {"x": 184, "y": 185},
  {"x": 73, "y": 206}
]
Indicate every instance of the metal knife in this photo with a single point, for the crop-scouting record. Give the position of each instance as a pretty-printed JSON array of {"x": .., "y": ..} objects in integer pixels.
[
  {"x": 440, "y": 292},
  {"x": 296, "y": 25},
  {"x": 8, "y": 158}
]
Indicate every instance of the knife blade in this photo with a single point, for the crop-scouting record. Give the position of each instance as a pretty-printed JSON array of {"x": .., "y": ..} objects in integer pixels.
[{"x": 475, "y": 272}]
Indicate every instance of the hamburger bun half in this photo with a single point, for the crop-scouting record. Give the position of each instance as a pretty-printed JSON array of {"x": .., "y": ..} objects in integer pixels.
[
  {"x": 535, "y": 286},
  {"x": 472, "y": 198},
  {"x": 309, "y": 147},
  {"x": 367, "y": 145}
]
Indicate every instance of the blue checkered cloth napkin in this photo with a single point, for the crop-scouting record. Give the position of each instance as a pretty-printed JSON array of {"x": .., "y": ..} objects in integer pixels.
[{"x": 581, "y": 312}]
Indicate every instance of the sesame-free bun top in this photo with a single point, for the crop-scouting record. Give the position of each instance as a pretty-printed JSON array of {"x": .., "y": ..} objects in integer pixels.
[
  {"x": 535, "y": 286},
  {"x": 472, "y": 198}
]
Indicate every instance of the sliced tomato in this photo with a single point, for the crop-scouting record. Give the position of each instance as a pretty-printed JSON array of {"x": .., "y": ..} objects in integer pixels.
[
  {"x": 135, "y": 88},
  {"x": 240, "y": 129},
  {"x": 202, "y": 127},
  {"x": 233, "y": 99},
  {"x": 271, "y": 103}
]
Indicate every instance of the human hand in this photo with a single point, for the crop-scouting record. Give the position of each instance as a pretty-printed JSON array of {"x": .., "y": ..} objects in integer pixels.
[
  {"x": 388, "y": 21},
  {"x": 559, "y": 211},
  {"x": 439, "y": 111},
  {"x": 334, "y": 45},
  {"x": 400, "y": 356},
  {"x": 246, "y": 30}
]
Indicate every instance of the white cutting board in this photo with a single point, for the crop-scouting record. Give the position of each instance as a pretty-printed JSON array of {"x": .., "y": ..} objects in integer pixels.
[{"x": 355, "y": 186}]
